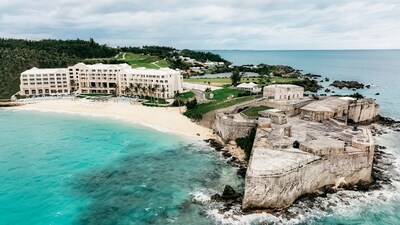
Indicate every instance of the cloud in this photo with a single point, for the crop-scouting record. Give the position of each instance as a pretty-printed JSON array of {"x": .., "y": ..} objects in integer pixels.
[{"x": 224, "y": 24}]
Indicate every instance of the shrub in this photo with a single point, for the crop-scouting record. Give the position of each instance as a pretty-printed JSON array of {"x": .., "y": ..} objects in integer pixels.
[
  {"x": 191, "y": 104},
  {"x": 246, "y": 143}
]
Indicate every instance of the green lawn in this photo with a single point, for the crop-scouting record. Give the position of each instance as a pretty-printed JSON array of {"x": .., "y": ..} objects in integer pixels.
[
  {"x": 253, "y": 111},
  {"x": 137, "y": 60},
  {"x": 221, "y": 81},
  {"x": 219, "y": 101},
  {"x": 186, "y": 95},
  {"x": 208, "y": 107},
  {"x": 163, "y": 63},
  {"x": 223, "y": 94},
  {"x": 147, "y": 61}
]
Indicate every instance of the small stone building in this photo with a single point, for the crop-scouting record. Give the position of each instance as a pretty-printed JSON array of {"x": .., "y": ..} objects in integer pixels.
[
  {"x": 252, "y": 87},
  {"x": 283, "y": 92}
]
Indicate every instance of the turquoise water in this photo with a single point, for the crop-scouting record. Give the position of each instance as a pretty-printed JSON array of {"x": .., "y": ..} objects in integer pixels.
[{"x": 61, "y": 169}]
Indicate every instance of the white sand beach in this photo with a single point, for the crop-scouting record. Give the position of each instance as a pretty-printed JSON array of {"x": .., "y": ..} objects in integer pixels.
[{"x": 162, "y": 119}]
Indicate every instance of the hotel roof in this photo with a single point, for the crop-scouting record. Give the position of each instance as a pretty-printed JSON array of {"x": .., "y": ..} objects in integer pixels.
[{"x": 35, "y": 70}]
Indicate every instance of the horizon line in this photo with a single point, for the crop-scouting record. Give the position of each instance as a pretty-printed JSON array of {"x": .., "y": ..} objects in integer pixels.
[{"x": 363, "y": 49}]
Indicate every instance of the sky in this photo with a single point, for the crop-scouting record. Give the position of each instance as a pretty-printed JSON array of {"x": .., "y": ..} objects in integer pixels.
[{"x": 209, "y": 24}]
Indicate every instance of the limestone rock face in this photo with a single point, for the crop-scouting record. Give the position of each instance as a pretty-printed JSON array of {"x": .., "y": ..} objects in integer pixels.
[
  {"x": 363, "y": 110},
  {"x": 280, "y": 191}
]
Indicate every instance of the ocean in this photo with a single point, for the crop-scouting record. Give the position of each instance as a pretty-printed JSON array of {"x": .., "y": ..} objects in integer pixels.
[{"x": 64, "y": 169}]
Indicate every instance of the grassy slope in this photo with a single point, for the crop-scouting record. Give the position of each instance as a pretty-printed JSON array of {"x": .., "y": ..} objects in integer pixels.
[
  {"x": 219, "y": 101},
  {"x": 139, "y": 60},
  {"x": 253, "y": 111}
]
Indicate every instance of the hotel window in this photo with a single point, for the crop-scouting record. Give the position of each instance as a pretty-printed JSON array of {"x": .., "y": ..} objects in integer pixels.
[
  {"x": 46, "y": 91},
  {"x": 27, "y": 92}
]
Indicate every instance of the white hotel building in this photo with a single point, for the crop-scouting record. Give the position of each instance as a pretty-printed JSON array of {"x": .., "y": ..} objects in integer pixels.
[{"x": 98, "y": 78}]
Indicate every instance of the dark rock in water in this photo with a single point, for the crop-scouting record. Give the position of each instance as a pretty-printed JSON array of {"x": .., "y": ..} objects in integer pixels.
[
  {"x": 387, "y": 122},
  {"x": 217, "y": 198},
  {"x": 362, "y": 186},
  {"x": 381, "y": 147},
  {"x": 214, "y": 144},
  {"x": 367, "y": 86},
  {"x": 347, "y": 84},
  {"x": 313, "y": 76},
  {"x": 327, "y": 90},
  {"x": 377, "y": 93},
  {"x": 328, "y": 189},
  {"x": 242, "y": 172},
  {"x": 226, "y": 154},
  {"x": 321, "y": 81},
  {"x": 333, "y": 91},
  {"x": 326, "y": 79},
  {"x": 230, "y": 193}
]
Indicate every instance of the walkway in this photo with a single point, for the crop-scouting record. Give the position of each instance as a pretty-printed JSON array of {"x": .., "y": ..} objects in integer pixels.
[{"x": 200, "y": 97}]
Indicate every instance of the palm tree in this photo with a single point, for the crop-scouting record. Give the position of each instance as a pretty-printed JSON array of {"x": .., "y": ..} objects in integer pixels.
[
  {"x": 179, "y": 101},
  {"x": 127, "y": 90},
  {"x": 72, "y": 85},
  {"x": 130, "y": 89},
  {"x": 144, "y": 89},
  {"x": 138, "y": 87},
  {"x": 156, "y": 89},
  {"x": 163, "y": 90}
]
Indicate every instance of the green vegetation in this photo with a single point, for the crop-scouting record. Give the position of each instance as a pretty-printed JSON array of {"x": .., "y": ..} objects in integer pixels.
[
  {"x": 217, "y": 81},
  {"x": 17, "y": 56},
  {"x": 236, "y": 77},
  {"x": 220, "y": 101},
  {"x": 147, "y": 61},
  {"x": 221, "y": 81},
  {"x": 208, "y": 107},
  {"x": 253, "y": 111},
  {"x": 223, "y": 94},
  {"x": 186, "y": 95},
  {"x": 202, "y": 56},
  {"x": 246, "y": 143}
]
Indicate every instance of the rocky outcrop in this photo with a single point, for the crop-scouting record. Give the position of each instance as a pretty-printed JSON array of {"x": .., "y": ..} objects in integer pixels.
[
  {"x": 363, "y": 110},
  {"x": 347, "y": 84}
]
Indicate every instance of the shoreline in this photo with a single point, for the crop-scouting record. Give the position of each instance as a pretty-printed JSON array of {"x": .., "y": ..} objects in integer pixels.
[{"x": 167, "y": 120}]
